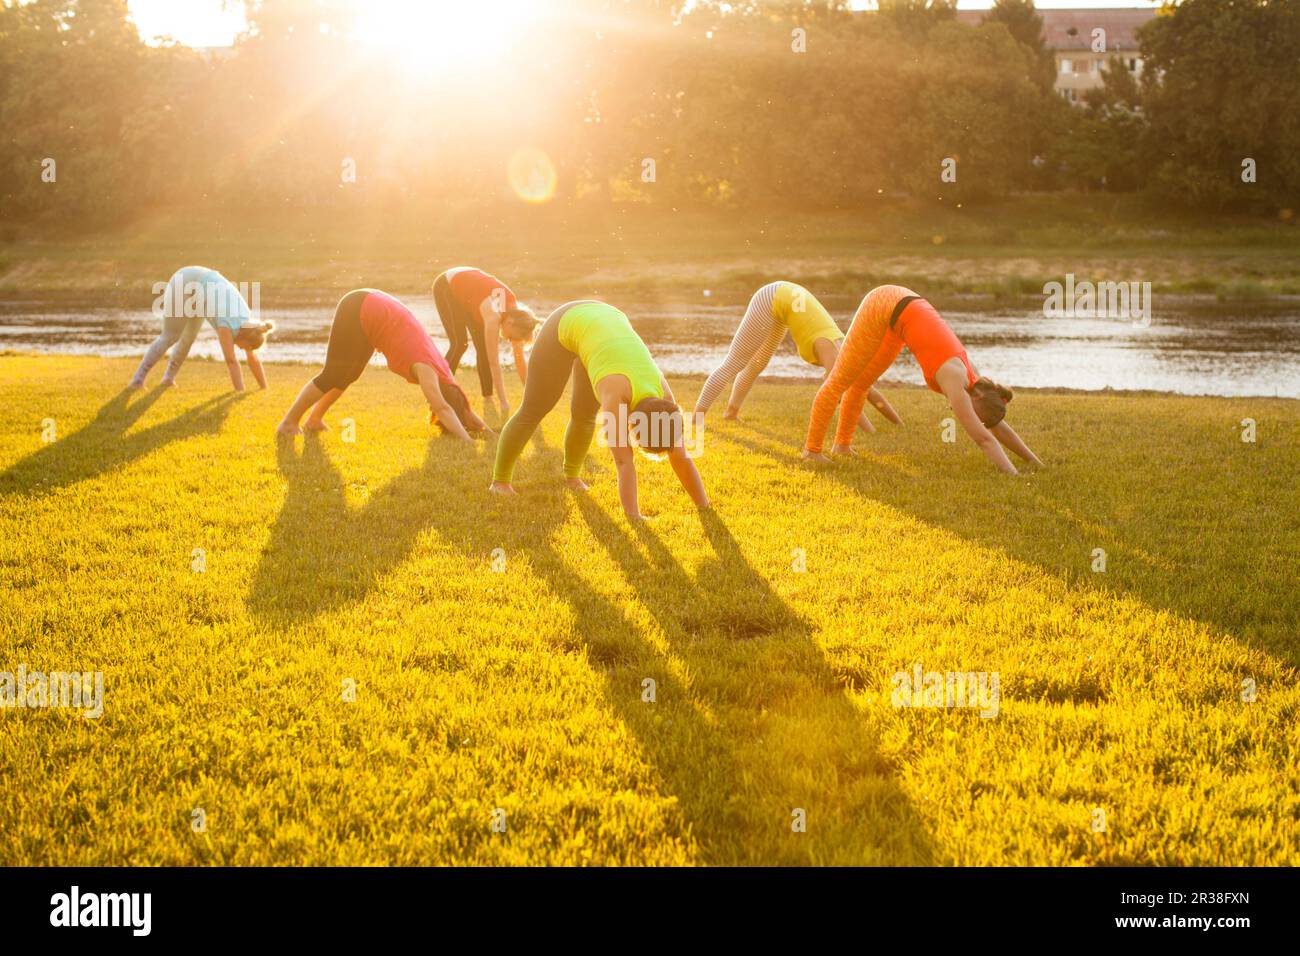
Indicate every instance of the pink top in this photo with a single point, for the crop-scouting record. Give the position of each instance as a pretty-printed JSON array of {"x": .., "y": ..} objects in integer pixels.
[
  {"x": 472, "y": 286},
  {"x": 397, "y": 333}
]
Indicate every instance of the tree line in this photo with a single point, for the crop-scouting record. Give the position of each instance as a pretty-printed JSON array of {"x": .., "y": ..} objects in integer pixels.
[{"x": 805, "y": 104}]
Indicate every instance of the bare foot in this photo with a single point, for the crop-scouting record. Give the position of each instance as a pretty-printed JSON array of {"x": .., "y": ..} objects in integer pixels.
[
  {"x": 288, "y": 431},
  {"x": 815, "y": 456},
  {"x": 167, "y": 383},
  {"x": 576, "y": 484},
  {"x": 502, "y": 488},
  {"x": 134, "y": 386},
  {"x": 731, "y": 415},
  {"x": 845, "y": 451},
  {"x": 315, "y": 426}
]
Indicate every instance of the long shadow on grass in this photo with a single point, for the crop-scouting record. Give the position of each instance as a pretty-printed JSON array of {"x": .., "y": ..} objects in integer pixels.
[
  {"x": 726, "y": 625},
  {"x": 1150, "y": 531},
  {"x": 103, "y": 444},
  {"x": 755, "y": 671},
  {"x": 322, "y": 553}
]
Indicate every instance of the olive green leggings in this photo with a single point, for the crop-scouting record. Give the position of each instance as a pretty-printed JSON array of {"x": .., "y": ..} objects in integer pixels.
[{"x": 550, "y": 367}]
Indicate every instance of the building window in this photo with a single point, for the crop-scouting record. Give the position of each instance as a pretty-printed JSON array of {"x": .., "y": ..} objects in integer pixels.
[
  {"x": 1133, "y": 64},
  {"x": 1094, "y": 66},
  {"x": 1067, "y": 66}
]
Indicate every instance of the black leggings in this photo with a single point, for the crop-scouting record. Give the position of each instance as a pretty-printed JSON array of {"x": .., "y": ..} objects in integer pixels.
[
  {"x": 349, "y": 350},
  {"x": 461, "y": 326},
  {"x": 549, "y": 369}
]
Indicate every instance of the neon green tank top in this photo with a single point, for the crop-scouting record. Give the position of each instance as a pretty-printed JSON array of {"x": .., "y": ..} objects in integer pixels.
[
  {"x": 605, "y": 341},
  {"x": 806, "y": 318}
]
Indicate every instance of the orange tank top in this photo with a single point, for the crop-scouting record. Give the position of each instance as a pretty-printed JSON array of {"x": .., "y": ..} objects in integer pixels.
[{"x": 929, "y": 338}]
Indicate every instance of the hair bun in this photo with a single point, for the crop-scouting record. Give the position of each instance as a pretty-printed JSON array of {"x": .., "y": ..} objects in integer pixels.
[{"x": 984, "y": 383}]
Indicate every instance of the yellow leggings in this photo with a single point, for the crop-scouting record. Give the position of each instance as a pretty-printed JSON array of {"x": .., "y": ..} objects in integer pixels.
[{"x": 869, "y": 348}]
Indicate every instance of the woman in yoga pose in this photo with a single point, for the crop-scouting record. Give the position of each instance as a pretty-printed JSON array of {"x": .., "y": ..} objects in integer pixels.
[
  {"x": 193, "y": 295},
  {"x": 367, "y": 320},
  {"x": 614, "y": 375},
  {"x": 474, "y": 304},
  {"x": 775, "y": 309},
  {"x": 890, "y": 317}
]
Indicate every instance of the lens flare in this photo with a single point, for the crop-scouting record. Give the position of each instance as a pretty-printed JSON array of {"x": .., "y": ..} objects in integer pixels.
[{"x": 532, "y": 175}]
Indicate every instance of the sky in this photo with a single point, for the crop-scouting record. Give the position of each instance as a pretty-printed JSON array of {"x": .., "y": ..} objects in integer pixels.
[{"x": 214, "y": 23}]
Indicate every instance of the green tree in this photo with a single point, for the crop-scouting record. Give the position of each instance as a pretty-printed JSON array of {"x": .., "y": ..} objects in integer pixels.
[
  {"x": 1022, "y": 19},
  {"x": 1222, "y": 80},
  {"x": 917, "y": 16},
  {"x": 74, "y": 72},
  {"x": 970, "y": 101},
  {"x": 1100, "y": 143}
]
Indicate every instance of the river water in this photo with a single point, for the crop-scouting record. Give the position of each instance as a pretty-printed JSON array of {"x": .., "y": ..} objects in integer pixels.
[{"x": 1192, "y": 346}]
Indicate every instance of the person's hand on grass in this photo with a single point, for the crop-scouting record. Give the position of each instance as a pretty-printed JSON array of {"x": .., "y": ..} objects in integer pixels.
[{"x": 881, "y": 404}]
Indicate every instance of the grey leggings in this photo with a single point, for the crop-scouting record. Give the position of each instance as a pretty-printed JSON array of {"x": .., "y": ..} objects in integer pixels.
[
  {"x": 462, "y": 325},
  {"x": 178, "y": 331},
  {"x": 756, "y": 341}
]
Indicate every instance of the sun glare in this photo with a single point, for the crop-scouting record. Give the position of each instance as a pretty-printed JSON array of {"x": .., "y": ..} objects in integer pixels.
[
  {"x": 426, "y": 35},
  {"x": 201, "y": 23},
  {"x": 532, "y": 175}
]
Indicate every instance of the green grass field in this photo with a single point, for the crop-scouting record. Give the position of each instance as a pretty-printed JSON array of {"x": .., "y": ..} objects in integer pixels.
[{"x": 512, "y": 679}]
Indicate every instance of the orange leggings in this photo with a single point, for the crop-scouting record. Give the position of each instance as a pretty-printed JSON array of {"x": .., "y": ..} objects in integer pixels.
[{"x": 869, "y": 348}]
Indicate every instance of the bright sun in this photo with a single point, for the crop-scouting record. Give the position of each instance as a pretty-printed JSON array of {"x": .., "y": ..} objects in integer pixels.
[{"x": 428, "y": 34}]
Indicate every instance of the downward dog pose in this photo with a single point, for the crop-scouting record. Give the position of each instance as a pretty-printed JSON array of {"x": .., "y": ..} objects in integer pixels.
[
  {"x": 775, "y": 309},
  {"x": 890, "y": 317},
  {"x": 613, "y": 374},
  {"x": 367, "y": 320},
  {"x": 474, "y": 304},
  {"x": 193, "y": 295}
]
